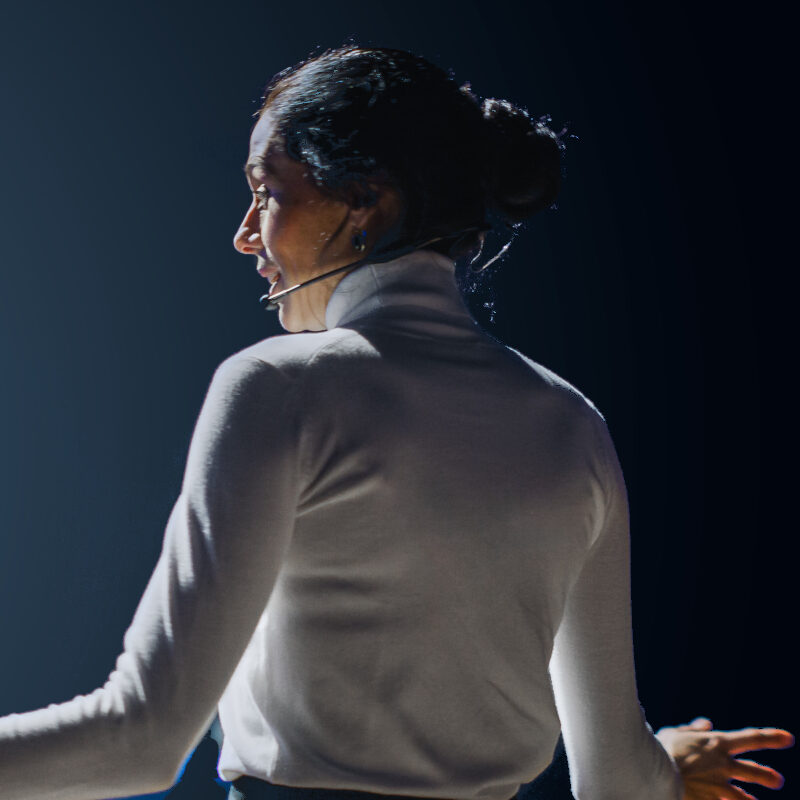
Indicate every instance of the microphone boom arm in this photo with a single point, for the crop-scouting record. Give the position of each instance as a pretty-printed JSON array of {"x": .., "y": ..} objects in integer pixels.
[{"x": 270, "y": 303}]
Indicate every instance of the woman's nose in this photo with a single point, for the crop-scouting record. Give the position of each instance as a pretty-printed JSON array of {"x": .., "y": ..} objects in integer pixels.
[{"x": 248, "y": 238}]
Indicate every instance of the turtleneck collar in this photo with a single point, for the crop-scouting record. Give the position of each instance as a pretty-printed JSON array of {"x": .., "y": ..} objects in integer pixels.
[{"x": 424, "y": 279}]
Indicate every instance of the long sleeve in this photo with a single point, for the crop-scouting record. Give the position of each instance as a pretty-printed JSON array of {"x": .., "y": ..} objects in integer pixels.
[
  {"x": 611, "y": 750},
  {"x": 222, "y": 550}
]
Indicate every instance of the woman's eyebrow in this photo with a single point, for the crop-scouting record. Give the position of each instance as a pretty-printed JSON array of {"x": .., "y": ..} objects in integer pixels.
[{"x": 265, "y": 165}]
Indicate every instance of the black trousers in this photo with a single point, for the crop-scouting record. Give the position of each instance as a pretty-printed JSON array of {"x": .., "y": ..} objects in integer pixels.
[
  {"x": 552, "y": 784},
  {"x": 248, "y": 788}
]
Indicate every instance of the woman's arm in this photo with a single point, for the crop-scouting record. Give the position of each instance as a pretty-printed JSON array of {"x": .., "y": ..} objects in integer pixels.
[
  {"x": 611, "y": 750},
  {"x": 222, "y": 549}
]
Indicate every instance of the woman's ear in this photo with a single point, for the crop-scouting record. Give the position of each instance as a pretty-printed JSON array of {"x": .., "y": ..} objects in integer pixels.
[
  {"x": 363, "y": 194},
  {"x": 375, "y": 206},
  {"x": 365, "y": 198}
]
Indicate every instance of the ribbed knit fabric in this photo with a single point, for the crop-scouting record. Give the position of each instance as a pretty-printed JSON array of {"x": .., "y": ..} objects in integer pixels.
[{"x": 398, "y": 563}]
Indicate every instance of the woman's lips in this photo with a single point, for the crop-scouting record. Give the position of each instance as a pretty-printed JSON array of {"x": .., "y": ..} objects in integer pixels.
[
  {"x": 272, "y": 275},
  {"x": 274, "y": 279}
]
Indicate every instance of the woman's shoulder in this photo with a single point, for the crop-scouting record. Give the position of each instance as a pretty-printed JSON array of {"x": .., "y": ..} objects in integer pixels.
[
  {"x": 575, "y": 415},
  {"x": 557, "y": 387}
]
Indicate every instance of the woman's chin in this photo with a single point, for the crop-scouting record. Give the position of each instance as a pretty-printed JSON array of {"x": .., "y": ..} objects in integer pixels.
[
  {"x": 284, "y": 319},
  {"x": 287, "y": 319},
  {"x": 298, "y": 320}
]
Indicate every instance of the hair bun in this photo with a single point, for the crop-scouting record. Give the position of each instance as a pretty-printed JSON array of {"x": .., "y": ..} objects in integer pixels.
[{"x": 522, "y": 161}]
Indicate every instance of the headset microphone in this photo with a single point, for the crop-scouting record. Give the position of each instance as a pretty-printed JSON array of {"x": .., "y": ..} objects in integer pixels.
[{"x": 271, "y": 303}]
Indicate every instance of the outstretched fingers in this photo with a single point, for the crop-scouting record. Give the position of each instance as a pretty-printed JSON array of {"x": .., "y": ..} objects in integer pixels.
[
  {"x": 735, "y": 793},
  {"x": 757, "y": 739},
  {"x": 716, "y": 791},
  {"x": 743, "y": 769}
]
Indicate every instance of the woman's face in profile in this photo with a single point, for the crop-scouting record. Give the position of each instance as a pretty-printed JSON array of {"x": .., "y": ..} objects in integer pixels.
[{"x": 294, "y": 230}]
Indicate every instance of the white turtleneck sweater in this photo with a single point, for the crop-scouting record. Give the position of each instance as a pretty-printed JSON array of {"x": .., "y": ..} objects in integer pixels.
[{"x": 398, "y": 563}]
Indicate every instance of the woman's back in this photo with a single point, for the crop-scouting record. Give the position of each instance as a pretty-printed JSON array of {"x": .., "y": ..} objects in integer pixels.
[
  {"x": 448, "y": 492},
  {"x": 399, "y": 558}
]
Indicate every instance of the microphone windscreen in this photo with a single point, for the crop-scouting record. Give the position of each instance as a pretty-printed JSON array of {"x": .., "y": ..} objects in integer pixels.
[{"x": 267, "y": 304}]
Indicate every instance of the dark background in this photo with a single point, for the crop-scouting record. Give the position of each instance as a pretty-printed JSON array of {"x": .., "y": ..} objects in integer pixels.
[{"x": 659, "y": 287}]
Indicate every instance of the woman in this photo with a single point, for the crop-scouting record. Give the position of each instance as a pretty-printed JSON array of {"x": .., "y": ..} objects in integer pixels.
[{"x": 398, "y": 564}]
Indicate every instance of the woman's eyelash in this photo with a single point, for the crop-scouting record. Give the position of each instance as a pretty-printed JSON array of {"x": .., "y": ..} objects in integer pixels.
[{"x": 262, "y": 194}]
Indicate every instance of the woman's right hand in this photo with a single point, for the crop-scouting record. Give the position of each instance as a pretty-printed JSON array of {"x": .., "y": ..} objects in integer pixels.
[{"x": 705, "y": 758}]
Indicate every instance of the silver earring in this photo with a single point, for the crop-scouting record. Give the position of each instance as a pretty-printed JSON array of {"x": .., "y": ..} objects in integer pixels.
[{"x": 360, "y": 241}]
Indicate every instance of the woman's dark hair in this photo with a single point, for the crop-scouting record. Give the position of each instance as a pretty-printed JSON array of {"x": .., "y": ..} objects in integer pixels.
[{"x": 354, "y": 113}]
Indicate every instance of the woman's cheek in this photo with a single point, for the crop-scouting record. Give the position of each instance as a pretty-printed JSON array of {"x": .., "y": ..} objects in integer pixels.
[{"x": 269, "y": 235}]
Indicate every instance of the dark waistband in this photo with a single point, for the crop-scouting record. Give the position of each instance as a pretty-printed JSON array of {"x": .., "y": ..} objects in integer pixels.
[{"x": 250, "y": 788}]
